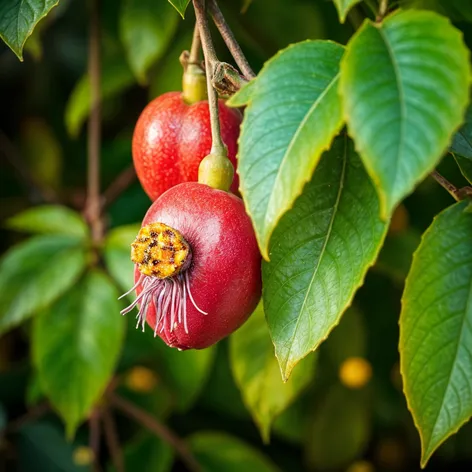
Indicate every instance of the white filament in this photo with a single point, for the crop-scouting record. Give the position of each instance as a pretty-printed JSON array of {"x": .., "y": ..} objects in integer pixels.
[{"x": 169, "y": 297}]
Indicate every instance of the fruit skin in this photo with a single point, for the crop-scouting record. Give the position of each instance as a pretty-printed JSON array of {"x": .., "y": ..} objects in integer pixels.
[
  {"x": 171, "y": 138},
  {"x": 225, "y": 272}
]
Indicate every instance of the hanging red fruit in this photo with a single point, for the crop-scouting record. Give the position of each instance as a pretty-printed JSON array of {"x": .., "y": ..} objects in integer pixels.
[
  {"x": 171, "y": 138},
  {"x": 198, "y": 267}
]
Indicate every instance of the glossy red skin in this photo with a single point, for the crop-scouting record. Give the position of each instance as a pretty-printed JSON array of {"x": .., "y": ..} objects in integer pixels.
[
  {"x": 225, "y": 272},
  {"x": 171, "y": 138}
]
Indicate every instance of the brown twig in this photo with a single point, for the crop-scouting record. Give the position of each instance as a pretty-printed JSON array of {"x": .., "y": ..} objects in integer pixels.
[
  {"x": 32, "y": 414},
  {"x": 457, "y": 193},
  {"x": 230, "y": 40},
  {"x": 92, "y": 206},
  {"x": 113, "y": 443},
  {"x": 37, "y": 192},
  {"x": 118, "y": 186},
  {"x": 94, "y": 438},
  {"x": 159, "y": 429}
]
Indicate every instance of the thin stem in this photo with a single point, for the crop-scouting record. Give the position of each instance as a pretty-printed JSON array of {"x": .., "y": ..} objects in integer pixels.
[
  {"x": 94, "y": 438},
  {"x": 159, "y": 429},
  {"x": 34, "y": 413},
  {"x": 113, "y": 442},
  {"x": 211, "y": 60},
  {"x": 36, "y": 191},
  {"x": 230, "y": 40},
  {"x": 452, "y": 189},
  {"x": 118, "y": 186},
  {"x": 194, "y": 57},
  {"x": 383, "y": 7},
  {"x": 92, "y": 207}
]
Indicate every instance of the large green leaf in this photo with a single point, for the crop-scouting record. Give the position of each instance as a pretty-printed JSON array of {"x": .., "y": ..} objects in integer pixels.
[
  {"x": 320, "y": 253},
  {"x": 116, "y": 76},
  {"x": 148, "y": 453},
  {"x": 36, "y": 272},
  {"x": 293, "y": 113},
  {"x": 180, "y": 6},
  {"x": 146, "y": 28},
  {"x": 117, "y": 254},
  {"x": 405, "y": 86},
  {"x": 340, "y": 429},
  {"x": 50, "y": 219},
  {"x": 257, "y": 373},
  {"x": 76, "y": 343},
  {"x": 18, "y": 19},
  {"x": 436, "y": 329},
  {"x": 343, "y": 7},
  {"x": 462, "y": 142},
  {"x": 184, "y": 372},
  {"x": 217, "y": 451}
]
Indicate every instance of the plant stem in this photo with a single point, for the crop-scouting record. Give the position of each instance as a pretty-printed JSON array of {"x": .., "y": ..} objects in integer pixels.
[
  {"x": 92, "y": 206},
  {"x": 34, "y": 413},
  {"x": 94, "y": 438},
  {"x": 36, "y": 192},
  {"x": 452, "y": 189},
  {"x": 118, "y": 186},
  {"x": 211, "y": 60},
  {"x": 112, "y": 440},
  {"x": 383, "y": 7},
  {"x": 230, "y": 40},
  {"x": 194, "y": 57},
  {"x": 159, "y": 429}
]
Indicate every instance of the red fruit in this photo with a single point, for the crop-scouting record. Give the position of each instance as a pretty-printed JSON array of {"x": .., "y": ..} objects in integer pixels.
[
  {"x": 198, "y": 267},
  {"x": 171, "y": 138}
]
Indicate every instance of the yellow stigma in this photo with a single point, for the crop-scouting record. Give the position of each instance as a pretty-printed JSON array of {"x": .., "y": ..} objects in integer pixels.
[{"x": 160, "y": 251}]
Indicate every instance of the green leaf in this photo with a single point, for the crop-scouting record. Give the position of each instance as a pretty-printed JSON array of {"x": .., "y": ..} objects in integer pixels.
[
  {"x": 343, "y": 7},
  {"x": 180, "y": 6},
  {"x": 42, "y": 446},
  {"x": 148, "y": 453},
  {"x": 340, "y": 429},
  {"x": 184, "y": 372},
  {"x": 50, "y": 219},
  {"x": 216, "y": 451},
  {"x": 405, "y": 86},
  {"x": 116, "y": 76},
  {"x": 320, "y": 253},
  {"x": 35, "y": 273},
  {"x": 146, "y": 29},
  {"x": 117, "y": 254},
  {"x": 76, "y": 343},
  {"x": 462, "y": 142},
  {"x": 257, "y": 373},
  {"x": 465, "y": 165},
  {"x": 18, "y": 19},
  {"x": 436, "y": 329},
  {"x": 293, "y": 114}
]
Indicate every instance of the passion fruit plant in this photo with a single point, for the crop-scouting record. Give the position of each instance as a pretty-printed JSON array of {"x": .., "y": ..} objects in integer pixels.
[{"x": 348, "y": 146}]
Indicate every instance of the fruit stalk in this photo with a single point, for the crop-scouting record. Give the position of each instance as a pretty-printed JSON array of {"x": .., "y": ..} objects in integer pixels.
[{"x": 217, "y": 146}]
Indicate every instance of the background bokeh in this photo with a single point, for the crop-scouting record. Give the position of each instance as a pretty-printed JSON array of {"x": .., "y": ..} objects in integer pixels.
[{"x": 345, "y": 419}]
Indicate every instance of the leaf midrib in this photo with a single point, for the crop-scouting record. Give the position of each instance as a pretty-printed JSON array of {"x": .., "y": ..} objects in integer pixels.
[
  {"x": 293, "y": 140},
  {"x": 401, "y": 99},
  {"x": 328, "y": 234}
]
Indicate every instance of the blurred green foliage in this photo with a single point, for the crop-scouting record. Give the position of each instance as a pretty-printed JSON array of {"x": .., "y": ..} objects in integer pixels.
[{"x": 209, "y": 397}]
